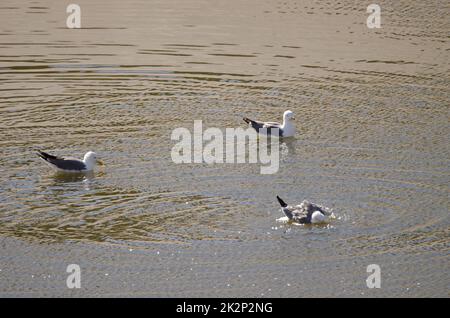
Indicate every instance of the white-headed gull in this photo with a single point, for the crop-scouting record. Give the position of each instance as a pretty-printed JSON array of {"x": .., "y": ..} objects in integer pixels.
[
  {"x": 286, "y": 129},
  {"x": 305, "y": 213},
  {"x": 67, "y": 164}
]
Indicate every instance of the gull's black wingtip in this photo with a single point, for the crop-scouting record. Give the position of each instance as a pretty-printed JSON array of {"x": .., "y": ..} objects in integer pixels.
[
  {"x": 40, "y": 154},
  {"x": 45, "y": 155},
  {"x": 282, "y": 203}
]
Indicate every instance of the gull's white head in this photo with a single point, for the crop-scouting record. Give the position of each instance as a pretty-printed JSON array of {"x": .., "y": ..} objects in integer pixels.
[
  {"x": 90, "y": 160},
  {"x": 288, "y": 126},
  {"x": 318, "y": 217},
  {"x": 288, "y": 115}
]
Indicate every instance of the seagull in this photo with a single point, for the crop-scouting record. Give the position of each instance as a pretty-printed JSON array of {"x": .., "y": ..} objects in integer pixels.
[
  {"x": 66, "y": 164},
  {"x": 305, "y": 213},
  {"x": 287, "y": 129}
]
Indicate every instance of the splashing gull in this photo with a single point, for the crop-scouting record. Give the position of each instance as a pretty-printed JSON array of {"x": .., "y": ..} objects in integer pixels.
[
  {"x": 67, "y": 164},
  {"x": 286, "y": 129},
  {"x": 305, "y": 213}
]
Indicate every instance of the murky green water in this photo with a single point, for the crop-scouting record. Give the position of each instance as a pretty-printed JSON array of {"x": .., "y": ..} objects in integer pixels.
[{"x": 372, "y": 110}]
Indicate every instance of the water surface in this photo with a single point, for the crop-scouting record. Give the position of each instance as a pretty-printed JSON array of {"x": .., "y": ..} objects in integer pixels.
[{"x": 372, "y": 109}]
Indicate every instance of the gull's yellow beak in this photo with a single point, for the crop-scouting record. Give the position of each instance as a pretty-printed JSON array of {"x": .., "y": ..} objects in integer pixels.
[{"x": 100, "y": 162}]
